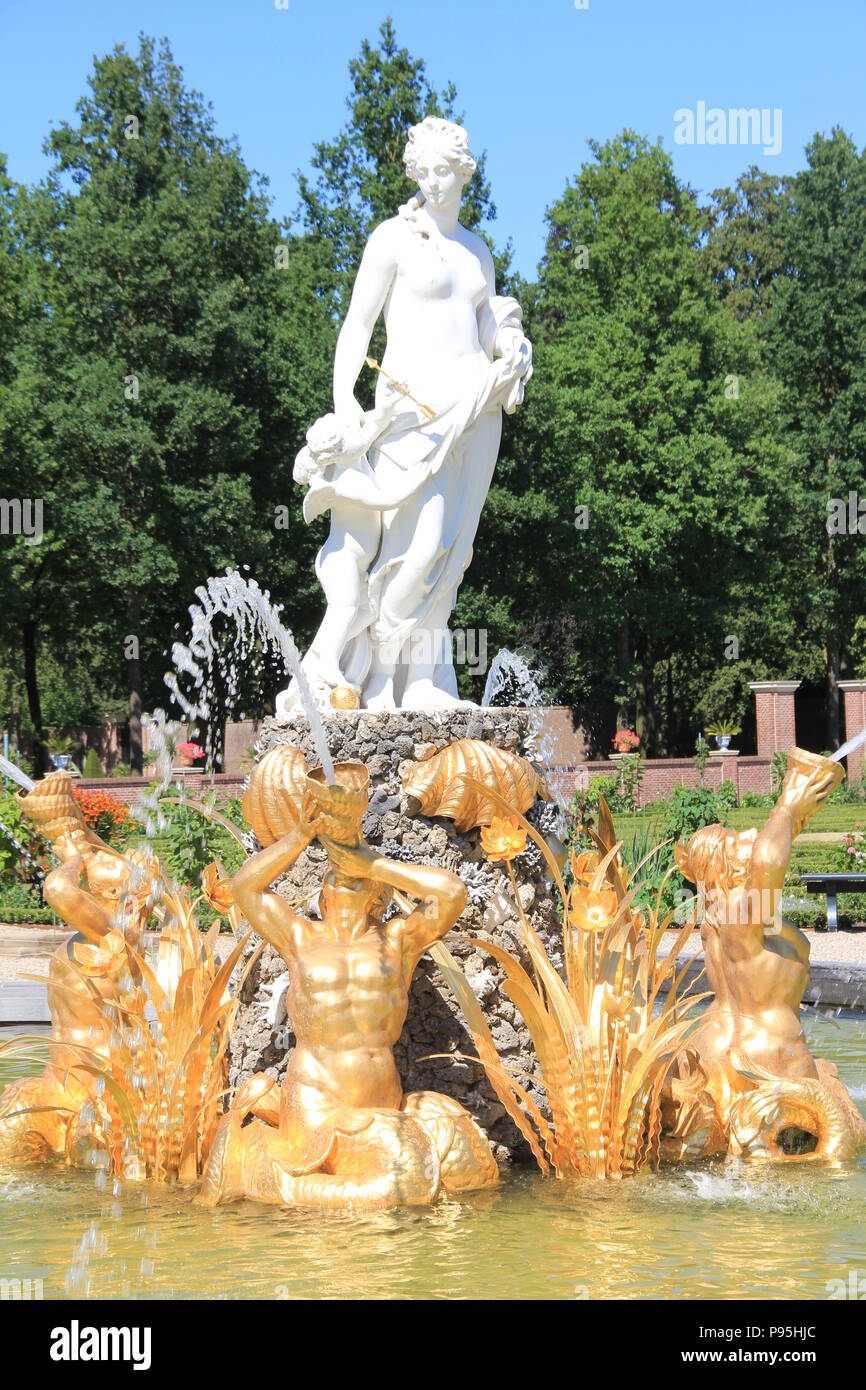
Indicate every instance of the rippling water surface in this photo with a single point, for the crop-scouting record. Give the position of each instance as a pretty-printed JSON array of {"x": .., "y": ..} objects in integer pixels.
[{"x": 713, "y": 1230}]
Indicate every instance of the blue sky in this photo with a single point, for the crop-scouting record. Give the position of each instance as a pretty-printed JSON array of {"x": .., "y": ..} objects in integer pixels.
[{"x": 535, "y": 80}]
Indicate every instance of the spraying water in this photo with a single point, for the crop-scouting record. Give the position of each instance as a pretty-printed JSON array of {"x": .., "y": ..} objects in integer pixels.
[
  {"x": 849, "y": 747},
  {"x": 511, "y": 676},
  {"x": 256, "y": 619},
  {"x": 10, "y": 770}
]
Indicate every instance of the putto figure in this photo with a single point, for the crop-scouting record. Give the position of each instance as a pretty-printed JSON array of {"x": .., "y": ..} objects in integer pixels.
[
  {"x": 405, "y": 483},
  {"x": 747, "y": 1081},
  {"x": 105, "y": 897},
  {"x": 340, "y": 1132}
]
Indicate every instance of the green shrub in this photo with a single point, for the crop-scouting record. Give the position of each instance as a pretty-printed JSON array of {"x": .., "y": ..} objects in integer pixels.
[
  {"x": 15, "y": 916},
  {"x": 727, "y": 795},
  {"x": 24, "y": 855},
  {"x": 755, "y": 800},
  {"x": 92, "y": 767},
  {"x": 190, "y": 842},
  {"x": 848, "y": 794},
  {"x": 688, "y": 808}
]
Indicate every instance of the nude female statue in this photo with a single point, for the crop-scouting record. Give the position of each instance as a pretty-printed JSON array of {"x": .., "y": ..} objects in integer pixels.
[
  {"x": 406, "y": 499},
  {"x": 340, "y": 1131}
]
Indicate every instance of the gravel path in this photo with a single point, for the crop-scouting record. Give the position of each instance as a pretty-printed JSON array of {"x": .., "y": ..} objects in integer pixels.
[
  {"x": 28, "y": 950},
  {"x": 841, "y": 947}
]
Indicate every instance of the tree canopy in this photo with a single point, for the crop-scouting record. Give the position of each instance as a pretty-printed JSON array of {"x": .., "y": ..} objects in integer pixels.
[{"x": 657, "y": 528}]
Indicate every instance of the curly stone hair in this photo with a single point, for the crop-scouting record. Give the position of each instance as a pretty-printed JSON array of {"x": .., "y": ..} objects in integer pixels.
[{"x": 446, "y": 139}]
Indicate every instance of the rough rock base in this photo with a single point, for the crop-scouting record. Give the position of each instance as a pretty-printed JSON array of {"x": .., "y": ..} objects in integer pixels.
[{"x": 386, "y": 743}]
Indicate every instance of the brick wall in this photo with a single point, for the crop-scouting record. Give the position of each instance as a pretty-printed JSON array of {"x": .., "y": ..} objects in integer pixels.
[
  {"x": 128, "y": 788},
  {"x": 662, "y": 775}
]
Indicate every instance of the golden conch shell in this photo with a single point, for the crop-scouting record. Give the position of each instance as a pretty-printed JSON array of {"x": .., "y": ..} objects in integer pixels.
[
  {"x": 340, "y": 806},
  {"x": 52, "y": 807},
  {"x": 436, "y": 784},
  {"x": 273, "y": 800}
]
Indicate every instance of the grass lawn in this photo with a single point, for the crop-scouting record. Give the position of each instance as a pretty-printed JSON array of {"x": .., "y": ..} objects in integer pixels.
[
  {"x": 829, "y": 818},
  {"x": 808, "y": 856}
]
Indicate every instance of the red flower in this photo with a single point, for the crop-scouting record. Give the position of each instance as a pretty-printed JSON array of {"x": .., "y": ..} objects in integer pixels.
[{"x": 190, "y": 750}]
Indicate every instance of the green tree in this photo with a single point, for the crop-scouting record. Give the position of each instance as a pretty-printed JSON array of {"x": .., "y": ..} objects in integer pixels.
[
  {"x": 746, "y": 246},
  {"x": 360, "y": 178},
  {"x": 631, "y": 417},
  {"x": 819, "y": 343},
  {"x": 173, "y": 424}
]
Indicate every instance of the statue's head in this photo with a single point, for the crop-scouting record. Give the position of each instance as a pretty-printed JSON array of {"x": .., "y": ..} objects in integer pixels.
[
  {"x": 437, "y": 156},
  {"x": 715, "y": 857},
  {"x": 343, "y": 905}
]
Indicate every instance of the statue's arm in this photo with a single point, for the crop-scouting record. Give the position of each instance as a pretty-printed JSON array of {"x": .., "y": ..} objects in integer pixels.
[
  {"x": 442, "y": 899},
  {"x": 78, "y": 907},
  {"x": 442, "y": 894},
  {"x": 487, "y": 325},
  {"x": 265, "y": 910},
  {"x": 753, "y": 908},
  {"x": 372, "y": 284}
]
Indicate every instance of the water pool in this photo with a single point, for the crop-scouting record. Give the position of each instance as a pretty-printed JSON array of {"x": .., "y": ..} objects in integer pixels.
[{"x": 710, "y": 1230}]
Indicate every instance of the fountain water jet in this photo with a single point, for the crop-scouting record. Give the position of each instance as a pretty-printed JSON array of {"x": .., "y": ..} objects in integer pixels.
[
  {"x": 255, "y": 616},
  {"x": 11, "y": 770},
  {"x": 848, "y": 747},
  {"x": 511, "y": 674}
]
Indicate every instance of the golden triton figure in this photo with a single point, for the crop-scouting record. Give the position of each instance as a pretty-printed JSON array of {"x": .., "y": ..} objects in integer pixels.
[
  {"x": 748, "y": 1062},
  {"x": 340, "y": 1132}
]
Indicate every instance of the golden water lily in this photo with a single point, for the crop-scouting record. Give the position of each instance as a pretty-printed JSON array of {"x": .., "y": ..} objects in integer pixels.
[
  {"x": 503, "y": 838},
  {"x": 217, "y": 889},
  {"x": 584, "y": 865},
  {"x": 605, "y": 1035},
  {"x": 590, "y": 911}
]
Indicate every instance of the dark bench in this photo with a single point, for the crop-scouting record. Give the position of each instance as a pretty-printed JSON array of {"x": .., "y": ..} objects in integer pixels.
[{"x": 832, "y": 885}]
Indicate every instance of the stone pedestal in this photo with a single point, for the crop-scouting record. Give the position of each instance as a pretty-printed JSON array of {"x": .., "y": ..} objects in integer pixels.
[
  {"x": 387, "y": 743},
  {"x": 774, "y": 708},
  {"x": 855, "y": 720}
]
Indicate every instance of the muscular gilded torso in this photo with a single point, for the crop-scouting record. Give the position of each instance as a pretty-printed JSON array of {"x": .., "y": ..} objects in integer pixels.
[{"x": 347, "y": 1002}]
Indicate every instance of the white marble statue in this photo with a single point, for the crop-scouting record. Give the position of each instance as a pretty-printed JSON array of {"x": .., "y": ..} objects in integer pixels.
[{"x": 406, "y": 481}]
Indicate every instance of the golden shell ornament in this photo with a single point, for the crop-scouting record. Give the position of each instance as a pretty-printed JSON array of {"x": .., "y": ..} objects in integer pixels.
[
  {"x": 340, "y": 806},
  {"x": 52, "y": 807},
  {"x": 273, "y": 800},
  {"x": 435, "y": 782}
]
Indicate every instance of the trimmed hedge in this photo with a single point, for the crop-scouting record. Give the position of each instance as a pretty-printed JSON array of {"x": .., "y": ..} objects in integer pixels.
[{"x": 37, "y": 915}]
